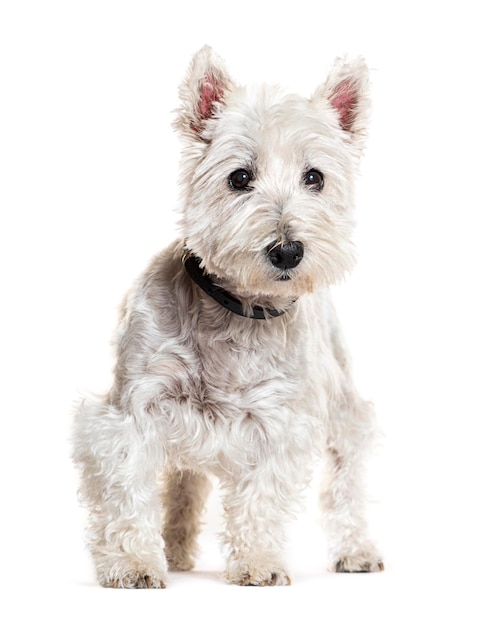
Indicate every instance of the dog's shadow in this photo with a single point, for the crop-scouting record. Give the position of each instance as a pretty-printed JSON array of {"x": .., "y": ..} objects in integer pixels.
[{"x": 215, "y": 576}]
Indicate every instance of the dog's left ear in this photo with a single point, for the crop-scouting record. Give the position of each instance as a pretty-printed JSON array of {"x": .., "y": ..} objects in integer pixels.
[
  {"x": 202, "y": 94},
  {"x": 346, "y": 91}
]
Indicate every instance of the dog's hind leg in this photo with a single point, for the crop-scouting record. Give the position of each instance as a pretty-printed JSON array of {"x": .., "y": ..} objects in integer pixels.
[
  {"x": 119, "y": 457},
  {"x": 184, "y": 498}
]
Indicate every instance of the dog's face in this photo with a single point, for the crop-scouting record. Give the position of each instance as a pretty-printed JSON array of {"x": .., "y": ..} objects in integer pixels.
[{"x": 268, "y": 178}]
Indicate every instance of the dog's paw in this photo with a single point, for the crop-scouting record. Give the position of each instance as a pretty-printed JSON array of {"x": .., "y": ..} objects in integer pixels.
[
  {"x": 274, "y": 579},
  {"x": 356, "y": 565},
  {"x": 134, "y": 580},
  {"x": 258, "y": 577},
  {"x": 180, "y": 563}
]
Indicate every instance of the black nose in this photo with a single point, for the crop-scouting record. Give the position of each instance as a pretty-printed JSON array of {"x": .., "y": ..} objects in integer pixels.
[{"x": 287, "y": 255}]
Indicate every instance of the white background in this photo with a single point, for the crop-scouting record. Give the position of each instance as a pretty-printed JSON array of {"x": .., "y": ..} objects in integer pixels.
[{"x": 88, "y": 176}]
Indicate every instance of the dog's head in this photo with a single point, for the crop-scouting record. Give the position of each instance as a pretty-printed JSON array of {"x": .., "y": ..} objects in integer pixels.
[{"x": 267, "y": 177}]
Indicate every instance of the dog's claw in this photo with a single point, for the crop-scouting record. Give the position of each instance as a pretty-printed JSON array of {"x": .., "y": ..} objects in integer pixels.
[
  {"x": 272, "y": 581},
  {"x": 361, "y": 568},
  {"x": 133, "y": 581}
]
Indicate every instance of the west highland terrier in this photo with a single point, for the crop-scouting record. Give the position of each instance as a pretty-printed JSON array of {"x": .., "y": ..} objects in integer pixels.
[{"x": 230, "y": 359}]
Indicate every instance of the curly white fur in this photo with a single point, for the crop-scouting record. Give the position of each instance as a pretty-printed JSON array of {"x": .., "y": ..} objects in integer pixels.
[{"x": 200, "y": 390}]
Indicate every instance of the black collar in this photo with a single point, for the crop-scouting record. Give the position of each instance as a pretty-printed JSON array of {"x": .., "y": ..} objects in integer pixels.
[{"x": 223, "y": 297}]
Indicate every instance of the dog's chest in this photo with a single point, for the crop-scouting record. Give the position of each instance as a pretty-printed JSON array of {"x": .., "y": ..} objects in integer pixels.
[
  {"x": 245, "y": 374},
  {"x": 244, "y": 395}
]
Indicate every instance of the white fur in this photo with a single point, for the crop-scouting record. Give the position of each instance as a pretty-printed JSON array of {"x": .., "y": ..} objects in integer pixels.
[{"x": 201, "y": 390}]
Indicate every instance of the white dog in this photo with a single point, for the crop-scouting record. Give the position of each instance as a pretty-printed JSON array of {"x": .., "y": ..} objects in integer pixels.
[{"x": 230, "y": 360}]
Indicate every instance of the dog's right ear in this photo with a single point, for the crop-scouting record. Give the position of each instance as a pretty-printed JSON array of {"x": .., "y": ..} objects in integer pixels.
[{"x": 202, "y": 94}]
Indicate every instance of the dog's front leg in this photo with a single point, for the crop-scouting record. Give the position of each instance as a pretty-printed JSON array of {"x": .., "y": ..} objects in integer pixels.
[
  {"x": 257, "y": 504},
  {"x": 342, "y": 497},
  {"x": 119, "y": 459}
]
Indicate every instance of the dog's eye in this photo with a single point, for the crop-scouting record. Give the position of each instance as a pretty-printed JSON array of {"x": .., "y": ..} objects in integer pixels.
[
  {"x": 239, "y": 179},
  {"x": 314, "y": 179}
]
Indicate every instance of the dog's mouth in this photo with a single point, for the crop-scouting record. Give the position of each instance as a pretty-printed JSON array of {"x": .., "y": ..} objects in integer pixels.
[{"x": 284, "y": 275}]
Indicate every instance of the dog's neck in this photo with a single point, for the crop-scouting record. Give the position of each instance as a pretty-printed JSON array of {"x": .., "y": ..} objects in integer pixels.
[{"x": 226, "y": 299}]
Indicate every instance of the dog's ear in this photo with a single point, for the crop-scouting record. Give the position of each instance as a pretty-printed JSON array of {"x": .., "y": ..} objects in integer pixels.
[
  {"x": 202, "y": 94},
  {"x": 346, "y": 91}
]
